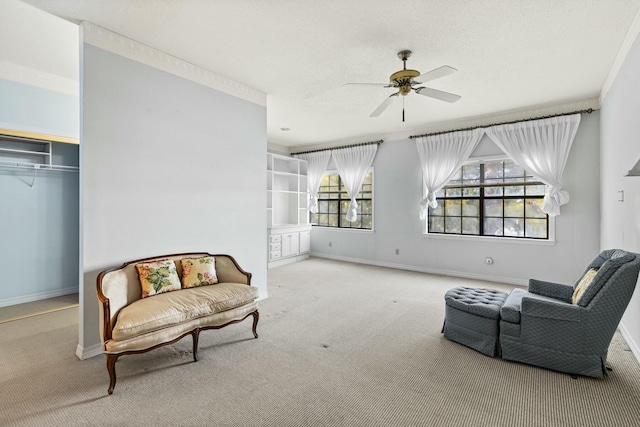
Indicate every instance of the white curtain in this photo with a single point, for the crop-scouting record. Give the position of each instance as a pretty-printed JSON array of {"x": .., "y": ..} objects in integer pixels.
[
  {"x": 316, "y": 166},
  {"x": 353, "y": 164},
  {"x": 541, "y": 147},
  {"x": 441, "y": 156}
]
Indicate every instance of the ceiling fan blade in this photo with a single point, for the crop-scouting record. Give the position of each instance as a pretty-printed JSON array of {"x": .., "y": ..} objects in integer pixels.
[
  {"x": 384, "y": 105},
  {"x": 368, "y": 84},
  {"x": 445, "y": 70},
  {"x": 437, "y": 94}
]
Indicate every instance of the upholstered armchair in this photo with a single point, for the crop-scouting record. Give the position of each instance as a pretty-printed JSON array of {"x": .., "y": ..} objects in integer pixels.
[{"x": 569, "y": 328}]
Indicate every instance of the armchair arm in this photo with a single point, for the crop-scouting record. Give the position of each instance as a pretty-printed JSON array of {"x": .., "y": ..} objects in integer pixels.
[
  {"x": 551, "y": 309},
  {"x": 550, "y": 289}
]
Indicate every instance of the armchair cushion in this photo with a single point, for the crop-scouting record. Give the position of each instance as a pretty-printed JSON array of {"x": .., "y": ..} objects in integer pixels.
[
  {"x": 510, "y": 310},
  {"x": 550, "y": 289},
  {"x": 550, "y": 309},
  {"x": 607, "y": 263}
]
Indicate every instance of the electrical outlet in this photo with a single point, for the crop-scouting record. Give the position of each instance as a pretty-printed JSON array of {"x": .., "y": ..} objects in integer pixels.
[
  {"x": 397, "y": 251},
  {"x": 330, "y": 244},
  {"x": 488, "y": 260}
]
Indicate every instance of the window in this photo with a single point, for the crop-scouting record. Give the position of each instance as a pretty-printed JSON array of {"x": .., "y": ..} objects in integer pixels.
[
  {"x": 496, "y": 198},
  {"x": 333, "y": 202}
]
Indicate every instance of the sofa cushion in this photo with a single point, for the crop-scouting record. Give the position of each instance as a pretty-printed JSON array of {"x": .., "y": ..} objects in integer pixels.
[
  {"x": 173, "y": 308},
  {"x": 198, "y": 271},
  {"x": 157, "y": 277}
]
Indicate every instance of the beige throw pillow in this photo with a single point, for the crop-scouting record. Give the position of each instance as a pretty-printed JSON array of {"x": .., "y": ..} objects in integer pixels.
[
  {"x": 198, "y": 272},
  {"x": 157, "y": 277},
  {"x": 583, "y": 285}
]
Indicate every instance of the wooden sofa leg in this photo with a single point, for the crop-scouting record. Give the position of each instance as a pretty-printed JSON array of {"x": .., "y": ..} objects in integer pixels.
[
  {"x": 195, "y": 334},
  {"x": 111, "y": 367},
  {"x": 256, "y": 316}
]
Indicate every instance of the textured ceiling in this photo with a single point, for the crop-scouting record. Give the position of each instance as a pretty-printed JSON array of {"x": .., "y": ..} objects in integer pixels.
[{"x": 510, "y": 54}]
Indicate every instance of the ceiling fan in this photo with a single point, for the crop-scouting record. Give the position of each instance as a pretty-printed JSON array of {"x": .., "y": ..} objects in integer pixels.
[{"x": 403, "y": 80}]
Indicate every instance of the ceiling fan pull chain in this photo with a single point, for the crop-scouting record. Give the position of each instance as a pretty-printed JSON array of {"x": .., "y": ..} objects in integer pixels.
[{"x": 403, "y": 109}]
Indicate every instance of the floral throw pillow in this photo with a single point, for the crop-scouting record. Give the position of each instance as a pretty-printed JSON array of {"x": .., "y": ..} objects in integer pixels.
[
  {"x": 198, "y": 272},
  {"x": 157, "y": 277},
  {"x": 583, "y": 285}
]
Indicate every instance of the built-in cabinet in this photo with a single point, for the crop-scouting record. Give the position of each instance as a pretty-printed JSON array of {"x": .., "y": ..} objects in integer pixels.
[{"x": 287, "y": 210}]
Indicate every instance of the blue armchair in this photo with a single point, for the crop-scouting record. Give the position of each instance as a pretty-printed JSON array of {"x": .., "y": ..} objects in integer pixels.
[{"x": 543, "y": 327}]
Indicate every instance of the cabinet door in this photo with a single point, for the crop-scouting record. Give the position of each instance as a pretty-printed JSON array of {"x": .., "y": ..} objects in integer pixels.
[
  {"x": 290, "y": 244},
  {"x": 285, "y": 245},
  {"x": 305, "y": 242}
]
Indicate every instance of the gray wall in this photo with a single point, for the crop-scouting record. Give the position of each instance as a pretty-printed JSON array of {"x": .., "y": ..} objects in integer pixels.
[
  {"x": 168, "y": 166},
  {"x": 398, "y": 190},
  {"x": 620, "y": 150},
  {"x": 39, "y": 230}
]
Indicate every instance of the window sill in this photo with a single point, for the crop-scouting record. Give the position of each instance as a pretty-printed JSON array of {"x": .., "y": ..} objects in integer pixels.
[
  {"x": 503, "y": 240},
  {"x": 350, "y": 230}
]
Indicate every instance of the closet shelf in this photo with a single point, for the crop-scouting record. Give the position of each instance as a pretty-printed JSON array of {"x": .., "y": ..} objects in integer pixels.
[{"x": 39, "y": 166}]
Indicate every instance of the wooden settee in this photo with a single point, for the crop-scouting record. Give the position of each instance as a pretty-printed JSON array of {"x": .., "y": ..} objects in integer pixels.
[{"x": 132, "y": 324}]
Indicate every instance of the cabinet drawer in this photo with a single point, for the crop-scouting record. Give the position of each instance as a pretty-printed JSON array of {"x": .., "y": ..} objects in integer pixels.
[
  {"x": 275, "y": 239},
  {"x": 274, "y": 247},
  {"x": 274, "y": 255}
]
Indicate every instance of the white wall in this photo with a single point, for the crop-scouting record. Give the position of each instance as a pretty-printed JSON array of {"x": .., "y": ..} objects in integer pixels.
[
  {"x": 620, "y": 150},
  {"x": 398, "y": 190},
  {"x": 168, "y": 166}
]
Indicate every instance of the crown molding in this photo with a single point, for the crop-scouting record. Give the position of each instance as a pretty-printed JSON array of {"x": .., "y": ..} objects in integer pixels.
[
  {"x": 115, "y": 43},
  {"x": 627, "y": 43}
]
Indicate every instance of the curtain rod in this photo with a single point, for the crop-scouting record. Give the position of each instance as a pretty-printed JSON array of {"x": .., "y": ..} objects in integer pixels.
[
  {"x": 337, "y": 148},
  {"x": 588, "y": 111}
]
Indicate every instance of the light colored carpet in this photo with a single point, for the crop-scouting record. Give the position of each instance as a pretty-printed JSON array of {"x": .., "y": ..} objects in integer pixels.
[{"x": 340, "y": 345}]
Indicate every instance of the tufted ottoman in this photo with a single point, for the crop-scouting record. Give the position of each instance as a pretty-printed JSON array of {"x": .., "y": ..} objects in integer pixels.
[{"x": 472, "y": 318}]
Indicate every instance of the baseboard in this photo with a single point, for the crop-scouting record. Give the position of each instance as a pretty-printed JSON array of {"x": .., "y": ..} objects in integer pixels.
[
  {"x": 88, "y": 352},
  {"x": 511, "y": 281},
  {"x": 38, "y": 296},
  {"x": 289, "y": 260},
  {"x": 630, "y": 342}
]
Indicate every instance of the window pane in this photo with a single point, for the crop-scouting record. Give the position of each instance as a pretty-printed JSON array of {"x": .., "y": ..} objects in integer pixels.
[
  {"x": 314, "y": 218},
  {"x": 323, "y": 219},
  {"x": 493, "y": 227},
  {"x": 470, "y": 225},
  {"x": 333, "y": 220},
  {"x": 493, "y": 170},
  {"x": 533, "y": 209},
  {"x": 536, "y": 228},
  {"x": 323, "y": 206},
  {"x": 333, "y": 206},
  {"x": 514, "y": 227},
  {"x": 471, "y": 172},
  {"x": 365, "y": 206},
  {"x": 367, "y": 221},
  {"x": 493, "y": 191},
  {"x": 513, "y": 208},
  {"x": 457, "y": 176},
  {"x": 493, "y": 208},
  {"x": 535, "y": 190},
  {"x": 511, "y": 170},
  {"x": 452, "y": 225},
  {"x": 514, "y": 190},
  {"x": 471, "y": 208},
  {"x": 439, "y": 210},
  {"x": 334, "y": 180},
  {"x": 440, "y": 193},
  {"x": 344, "y": 206},
  {"x": 473, "y": 191},
  {"x": 453, "y": 207},
  {"x": 453, "y": 192},
  {"x": 436, "y": 224},
  {"x": 357, "y": 223}
]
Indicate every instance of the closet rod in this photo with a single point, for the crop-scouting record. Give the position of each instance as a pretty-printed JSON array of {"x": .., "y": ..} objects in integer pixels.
[
  {"x": 37, "y": 166},
  {"x": 338, "y": 148},
  {"x": 587, "y": 111}
]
